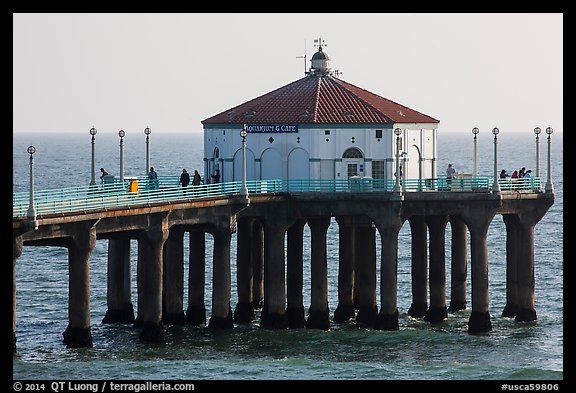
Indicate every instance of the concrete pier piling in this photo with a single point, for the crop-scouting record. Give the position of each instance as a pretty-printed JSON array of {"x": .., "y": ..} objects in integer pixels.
[
  {"x": 119, "y": 288},
  {"x": 221, "y": 280},
  {"x": 274, "y": 310},
  {"x": 478, "y": 223},
  {"x": 294, "y": 275},
  {"x": 257, "y": 258},
  {"x": 437, "y": 311},
  {"x": 346, "y": 260},
  {"x": 173, "y": 278},
  {"x": 78, "y": 333},
  {"x": 152, "y": 245},
  {"x": 244, "y": 311},
  {"x": 419, "y": 267},
  {"x": 318, "y": 318},
  {"x": 513, "y": 241},
  {"x": 458, "y": 265},
  {"x": 365, "y": 245},
  {"x": 196, "y": 311},
  {"x": 388, "y": 223},
  {"x": 525, "y": 274}
]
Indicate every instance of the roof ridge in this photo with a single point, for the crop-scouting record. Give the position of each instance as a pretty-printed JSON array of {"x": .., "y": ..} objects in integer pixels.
[{"x": 317, "y": 98}]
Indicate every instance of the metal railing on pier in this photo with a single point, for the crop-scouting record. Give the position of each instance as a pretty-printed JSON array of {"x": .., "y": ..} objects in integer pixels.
[{"x": 166, "y": 189}]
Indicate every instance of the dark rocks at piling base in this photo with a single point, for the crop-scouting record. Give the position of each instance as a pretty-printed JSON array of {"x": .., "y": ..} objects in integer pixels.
[
  {"x": 152, "y": 332},
  {"x": 139, "y": 322},
  {"x": 77, "y": 337},
  {"x": 196, "y": 315},
  {"x": 457, "y": 306},
  {"x": 258, "y": 304},
  {"x": 125, "y": 315},
  {"x": 418, "y": 310},
  {"x": 244, "y": 313},
  {"x": 526, "y": 315},
  {"x": 174, "y": 319},
  {"x": 273, "y": 321},
  {"x": 222, "y": 322},
  {"x": 318, "y": 319},
  {"x": 344, "y": 313},
  {"x": 367, "y": 316},
  {"x": 296, "y": 318},
  {"x": 387, "y": 321},
  {"x": 436, "y": 314},
  {"x": 479, "y": 322},
  {"x": 510, "y": 310}
]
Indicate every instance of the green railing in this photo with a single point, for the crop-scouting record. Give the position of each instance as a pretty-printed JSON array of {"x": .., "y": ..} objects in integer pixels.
[{"x": 113, "y": 193}]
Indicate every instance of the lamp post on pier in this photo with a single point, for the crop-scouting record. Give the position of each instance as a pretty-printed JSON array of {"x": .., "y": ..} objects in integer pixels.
[
  {"x": 397, "y": 189},
  {"x": 93, "y": 132},
  {"x": 549, "y": 187},
  {"x": 244, "y": 188},
  {"x": 147, "y": 131},
  {"x": 121, "y": 134},
  {"x": 475, "y": 131},
  {"x": 537, "y": 131},
  {"x": 31, "y": 210},
  {"x": 496, "y": 185}
]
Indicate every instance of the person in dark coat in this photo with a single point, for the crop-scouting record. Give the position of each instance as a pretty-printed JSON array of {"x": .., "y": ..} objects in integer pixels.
[{"x": 184, "y": 179}]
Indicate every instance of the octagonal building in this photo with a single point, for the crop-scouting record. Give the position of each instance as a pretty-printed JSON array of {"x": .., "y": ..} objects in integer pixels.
[{"x": 319, "y": 127}]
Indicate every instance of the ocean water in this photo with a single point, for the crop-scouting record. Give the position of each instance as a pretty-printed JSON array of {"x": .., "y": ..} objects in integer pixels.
[{"x": 418, "y": 351}]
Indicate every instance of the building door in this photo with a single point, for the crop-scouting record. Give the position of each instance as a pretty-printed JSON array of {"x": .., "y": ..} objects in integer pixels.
[
  {"x": 353, "y": 162},
  {"x": 352, "y": 169}
]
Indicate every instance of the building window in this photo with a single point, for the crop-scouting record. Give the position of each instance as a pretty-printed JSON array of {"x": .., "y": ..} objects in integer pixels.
[
  {"x": 378, "y": 133},
  {"x": 327, "y": 132},
  {"x": 352, "y": 153},
  {"x": 378, "y": 169}
]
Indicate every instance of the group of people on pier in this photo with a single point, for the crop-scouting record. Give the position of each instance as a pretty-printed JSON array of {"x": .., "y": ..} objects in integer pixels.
[{"x": 517, "y": 174}]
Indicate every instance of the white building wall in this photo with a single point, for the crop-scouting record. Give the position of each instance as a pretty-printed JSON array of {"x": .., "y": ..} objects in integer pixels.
[{"x": 325, "y": 149}]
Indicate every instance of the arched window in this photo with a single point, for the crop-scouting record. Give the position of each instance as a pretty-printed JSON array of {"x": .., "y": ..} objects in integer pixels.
[
  {"x": 216, "y": 153},
  {"x": 352, "y": 152}
]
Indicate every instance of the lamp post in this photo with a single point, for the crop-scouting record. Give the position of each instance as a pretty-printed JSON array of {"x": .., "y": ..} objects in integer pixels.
[
  {"x": 121, "y": 134},
  {"x": 397, "y": 189},
  {"x": 496, "y": 185},
  {"x": 549, "y": 187},
  {"x": 244, "y": 189},
  {"x": 537, "y": 131},
  {"x": 147, "y": 131},
  {"x": 475, "y": 131},
  {"x": 93, "y": 178},
  {"x": 31, "y": 211}
]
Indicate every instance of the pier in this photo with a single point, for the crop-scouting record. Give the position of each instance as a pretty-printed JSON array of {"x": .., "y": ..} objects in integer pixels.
[{"x": 271, "y": 220}]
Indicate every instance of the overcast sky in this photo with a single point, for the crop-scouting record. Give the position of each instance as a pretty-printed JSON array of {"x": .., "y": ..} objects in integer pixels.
[{"x": 169, "y": 72}]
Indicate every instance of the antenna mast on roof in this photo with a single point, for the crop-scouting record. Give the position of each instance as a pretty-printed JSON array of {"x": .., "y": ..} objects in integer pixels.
[
  {"x": 303, "y": 57},
  {"x": 319, "y": 42}
]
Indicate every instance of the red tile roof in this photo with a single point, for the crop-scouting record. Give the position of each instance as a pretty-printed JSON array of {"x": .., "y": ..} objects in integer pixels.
[{"x": 320, "y": 100}]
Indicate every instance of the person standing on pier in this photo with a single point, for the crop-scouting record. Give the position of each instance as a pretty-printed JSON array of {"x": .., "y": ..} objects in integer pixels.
[
  {"x": 197, "y": 179},
  {"x": 216, "y": 176},
  {"x": 184, "y": 180},
  {"x": 450, "y": 171},
  {"x": 153, "y": 178}
]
